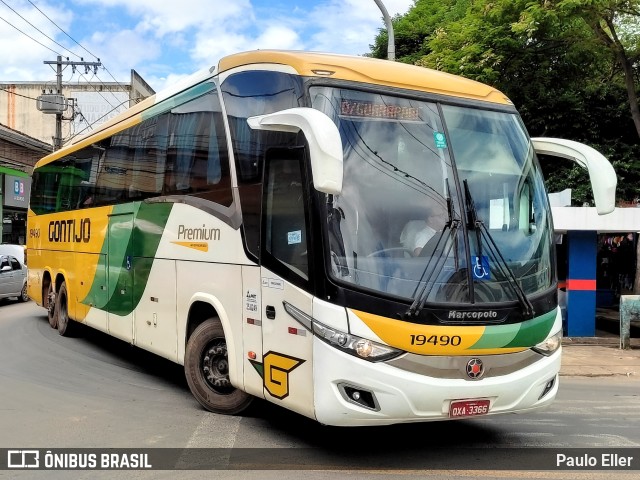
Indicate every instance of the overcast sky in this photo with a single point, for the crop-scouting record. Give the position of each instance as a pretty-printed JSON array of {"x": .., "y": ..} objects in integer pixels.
[{"x": 164, "y": 40}]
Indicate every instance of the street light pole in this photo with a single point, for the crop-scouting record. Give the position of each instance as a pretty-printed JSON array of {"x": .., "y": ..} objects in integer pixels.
[{"x": 391, "y": 48}]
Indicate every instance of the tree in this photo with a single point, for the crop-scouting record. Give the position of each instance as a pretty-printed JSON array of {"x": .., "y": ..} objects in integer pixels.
[
  {"x": 614, "y": 25},
  {"x": 549, "y": 58}
]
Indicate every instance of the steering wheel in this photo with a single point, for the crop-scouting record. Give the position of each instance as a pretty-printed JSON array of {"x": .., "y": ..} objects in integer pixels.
[
  {"x": 430, "y": 247},
  {"x": 393, "y": 252}
]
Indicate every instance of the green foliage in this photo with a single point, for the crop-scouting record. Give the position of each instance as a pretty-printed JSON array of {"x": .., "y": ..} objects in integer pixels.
[{"x": 559, "y": 61}]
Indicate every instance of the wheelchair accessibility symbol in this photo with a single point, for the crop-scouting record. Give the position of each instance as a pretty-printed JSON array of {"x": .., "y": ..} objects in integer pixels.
[{"x": 481, "y": 267}]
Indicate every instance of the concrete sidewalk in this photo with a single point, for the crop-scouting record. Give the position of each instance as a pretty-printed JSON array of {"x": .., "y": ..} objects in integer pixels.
[{"x": 599, "y": 357}]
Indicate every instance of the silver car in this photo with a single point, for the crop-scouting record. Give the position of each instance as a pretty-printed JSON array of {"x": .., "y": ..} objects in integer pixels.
[{"x": 13, "y": 278}]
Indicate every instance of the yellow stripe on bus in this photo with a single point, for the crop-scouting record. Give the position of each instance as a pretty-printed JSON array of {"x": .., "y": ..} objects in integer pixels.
[
  {"x": 73, "y": 249},
  {"x": 429, "y": 339},
  {"x": 202, "y": 246}
]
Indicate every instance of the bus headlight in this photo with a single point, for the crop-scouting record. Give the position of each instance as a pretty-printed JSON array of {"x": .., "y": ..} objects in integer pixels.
[
  {"x": 550, "y": 345},
  {"x": 354, "y": 345},
  {"x": 348, "y": 343}
]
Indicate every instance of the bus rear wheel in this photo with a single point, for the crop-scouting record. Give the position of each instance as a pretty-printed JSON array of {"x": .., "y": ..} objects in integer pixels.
[
  {"x": 62, "y": 311},
  {"x": 50, "y": 304},
  {"x": 206, "y": 367}
]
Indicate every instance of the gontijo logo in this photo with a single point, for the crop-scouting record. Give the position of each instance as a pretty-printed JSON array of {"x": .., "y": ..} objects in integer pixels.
[{"x": 70, "y": 230}]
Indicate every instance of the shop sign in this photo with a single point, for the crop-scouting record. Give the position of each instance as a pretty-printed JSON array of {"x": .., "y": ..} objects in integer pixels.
[{"x": 16, "y": 191}]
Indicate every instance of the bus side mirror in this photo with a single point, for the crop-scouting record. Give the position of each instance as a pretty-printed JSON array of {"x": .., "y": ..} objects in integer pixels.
[
  {"x": 601, "y": 173},
  {"x": 325, "y": 144}
]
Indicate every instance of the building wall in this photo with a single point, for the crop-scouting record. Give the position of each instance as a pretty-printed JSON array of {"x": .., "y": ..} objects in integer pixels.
[
  {"x": 18, "y": 106},
  {"x": 18, "y": 110},
  {"x": 18, "y": 156}
]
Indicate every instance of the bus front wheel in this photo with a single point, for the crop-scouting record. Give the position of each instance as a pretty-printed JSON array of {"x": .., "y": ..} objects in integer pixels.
[
  {"x": 62, "y": 311},
  {"x": 206, "y": 367}
]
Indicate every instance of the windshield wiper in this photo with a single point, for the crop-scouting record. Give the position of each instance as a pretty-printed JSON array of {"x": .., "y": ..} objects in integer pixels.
[
  {"x": 440, "y": 259},
  {"x": 336, "y": 242},
  {"x": 474, "y": 223}
]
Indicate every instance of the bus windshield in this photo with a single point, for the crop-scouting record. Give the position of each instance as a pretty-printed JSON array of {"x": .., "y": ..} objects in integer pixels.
[{"x": 405, "y": 225}]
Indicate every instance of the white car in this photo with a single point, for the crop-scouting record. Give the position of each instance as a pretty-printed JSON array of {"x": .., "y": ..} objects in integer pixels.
[{"x": 13, "y": 278}]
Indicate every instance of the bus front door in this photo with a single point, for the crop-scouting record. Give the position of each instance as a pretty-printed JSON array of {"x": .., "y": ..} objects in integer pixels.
[
  {"x": 120, "y": 276},
  {"x": 284, "y": 275}
]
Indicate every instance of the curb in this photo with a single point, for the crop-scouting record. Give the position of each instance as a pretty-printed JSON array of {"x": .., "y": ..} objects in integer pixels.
[{"x": 602, "y": 341}]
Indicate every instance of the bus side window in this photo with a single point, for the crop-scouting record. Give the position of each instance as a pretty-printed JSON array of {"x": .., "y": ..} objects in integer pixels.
[
  {"x": 197, "y": 158},
  {"x": 285, "y": 221},
  {"x": 148, "y": 159}
]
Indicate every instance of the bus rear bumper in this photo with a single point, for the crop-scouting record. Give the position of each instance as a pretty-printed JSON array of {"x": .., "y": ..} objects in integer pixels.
[{"x": 389, "y": 395}]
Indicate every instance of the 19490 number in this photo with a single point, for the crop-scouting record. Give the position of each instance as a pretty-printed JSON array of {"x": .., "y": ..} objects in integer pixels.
[{"x": 442, "y": 340}]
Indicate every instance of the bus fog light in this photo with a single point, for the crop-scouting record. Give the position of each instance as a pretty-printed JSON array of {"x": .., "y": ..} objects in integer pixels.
[
  {"x": 359, "y": 396},
  {"x": 364, "y": 348},
  {"x": 547, "y": 388}
]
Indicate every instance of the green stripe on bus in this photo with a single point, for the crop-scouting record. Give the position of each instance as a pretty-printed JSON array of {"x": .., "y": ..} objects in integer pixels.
[
  {"x": 535, "y": 330},
  {"x": 497, "y": 336},
  {"x": 525, "y": 334},
  {"x": 134, "y": 251}
]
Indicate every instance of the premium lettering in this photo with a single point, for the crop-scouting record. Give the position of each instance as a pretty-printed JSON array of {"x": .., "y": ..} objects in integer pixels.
[
  {"x": 202, "y": 233},
  {"x": 70, "y": 231},
  {"x": 473, "y": 315}
]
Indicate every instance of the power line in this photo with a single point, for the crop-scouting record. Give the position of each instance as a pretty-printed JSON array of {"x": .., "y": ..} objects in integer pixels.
[
  {"x": 111, "y": 91},
  {"x": 98, "y": 91},
  {"x": 77, "y": 43},
  {"x": 18, "y": 94},
  {"x": 98, "y": 119},
  {"x": 27, "y": 35},
  {"x": 45, "y": 15},
  {"x": 60, "y": 45},
  {"x": 27, "y": 97}
]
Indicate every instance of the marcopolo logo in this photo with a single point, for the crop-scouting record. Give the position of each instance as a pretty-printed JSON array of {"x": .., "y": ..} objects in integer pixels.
[{"x": 472, "y": 315}]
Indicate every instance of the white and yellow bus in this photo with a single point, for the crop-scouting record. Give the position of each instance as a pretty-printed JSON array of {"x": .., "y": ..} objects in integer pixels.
[{"x": 252, "y": 224}]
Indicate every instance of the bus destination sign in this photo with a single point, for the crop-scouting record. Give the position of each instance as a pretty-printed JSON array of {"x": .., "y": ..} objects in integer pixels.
[{"x": 351, "y": 108}]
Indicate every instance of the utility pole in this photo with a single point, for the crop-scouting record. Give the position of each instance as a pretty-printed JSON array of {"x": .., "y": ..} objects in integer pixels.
[
  {"x": 57, "y": 103},
  {"x": 391, "y": 44}
]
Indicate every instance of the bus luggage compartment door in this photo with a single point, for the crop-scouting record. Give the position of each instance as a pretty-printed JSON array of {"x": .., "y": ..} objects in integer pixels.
[{"x": 120, "y": 276}]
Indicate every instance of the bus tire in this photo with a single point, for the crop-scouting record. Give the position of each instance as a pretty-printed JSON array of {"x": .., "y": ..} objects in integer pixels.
[
  {"x": 50, "y": 304},
  {"x": 62, "y": 311},
  {"x": 206, "y": 367}
]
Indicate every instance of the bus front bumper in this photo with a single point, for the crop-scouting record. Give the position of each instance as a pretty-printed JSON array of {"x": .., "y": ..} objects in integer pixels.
[{"x": 353, "y": 392}]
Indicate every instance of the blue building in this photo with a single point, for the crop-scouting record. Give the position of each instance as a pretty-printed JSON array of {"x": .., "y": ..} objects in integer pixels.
[{"x": 582, "y": 233}]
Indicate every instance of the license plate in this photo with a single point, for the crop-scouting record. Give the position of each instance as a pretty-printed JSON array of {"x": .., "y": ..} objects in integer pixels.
[{"x": 468, "y": 408}]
